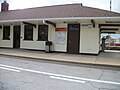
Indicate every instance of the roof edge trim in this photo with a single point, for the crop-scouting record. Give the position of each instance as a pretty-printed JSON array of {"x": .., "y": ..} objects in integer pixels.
[{"x": 67, "y": 18}]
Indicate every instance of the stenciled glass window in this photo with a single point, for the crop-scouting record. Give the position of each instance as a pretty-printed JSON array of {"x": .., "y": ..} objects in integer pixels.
[
  {"x": 42, "y": 32},
  {"x": 28, "y": 32},
  {"x": 74, "y": 27},
  {"x": 6, "y": 32}
]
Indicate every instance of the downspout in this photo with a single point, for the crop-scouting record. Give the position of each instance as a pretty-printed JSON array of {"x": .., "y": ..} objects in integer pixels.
[
  {"x": 45, "y": 22},
  {"x": 49, "y": 35}
]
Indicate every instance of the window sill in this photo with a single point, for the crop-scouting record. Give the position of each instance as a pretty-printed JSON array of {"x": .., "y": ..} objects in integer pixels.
[
  {"x": 41, "y": 40},
  {"x": 5, "y": 39},
  {"x": 27, "y": 40}
]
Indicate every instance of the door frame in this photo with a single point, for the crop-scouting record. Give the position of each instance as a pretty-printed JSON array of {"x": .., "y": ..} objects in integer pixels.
[
  {"x": 14, "y": 35},
  {"x": 68, "y": 36}
]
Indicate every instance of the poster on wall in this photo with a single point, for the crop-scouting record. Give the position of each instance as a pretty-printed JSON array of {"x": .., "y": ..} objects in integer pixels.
[{"x": 60, "y": 35}]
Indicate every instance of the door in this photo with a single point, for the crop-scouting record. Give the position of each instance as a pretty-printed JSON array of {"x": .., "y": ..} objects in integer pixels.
[
  {"x": 73, "y": 38},
  {"x": 16, "y": 37}
]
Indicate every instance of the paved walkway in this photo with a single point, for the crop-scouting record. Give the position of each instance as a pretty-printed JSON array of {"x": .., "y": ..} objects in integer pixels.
[{"x": 104, "y": 58}]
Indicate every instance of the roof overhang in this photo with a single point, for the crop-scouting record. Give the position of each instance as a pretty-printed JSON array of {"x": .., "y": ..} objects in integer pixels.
[
  {"x": 109, "y": 28},
  {"x": 109, "y": 25},
  {"x": 29, "y": 24},
  {"x": 67, "y": 18}
]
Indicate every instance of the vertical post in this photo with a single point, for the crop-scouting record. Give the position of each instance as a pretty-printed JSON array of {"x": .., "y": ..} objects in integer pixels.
[{"x": 103, "y": 44}]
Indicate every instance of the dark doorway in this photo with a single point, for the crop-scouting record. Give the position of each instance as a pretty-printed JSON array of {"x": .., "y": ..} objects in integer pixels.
[
  {"x": 16, "y": 37},
  {"x": 73, "y": 38}
]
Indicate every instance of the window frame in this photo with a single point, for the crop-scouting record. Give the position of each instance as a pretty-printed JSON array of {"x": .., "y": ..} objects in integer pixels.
[
  {"x": 6, "y": 36},
  {"x": 28, "y": 28},
  {"x": 41, "y": 28}
]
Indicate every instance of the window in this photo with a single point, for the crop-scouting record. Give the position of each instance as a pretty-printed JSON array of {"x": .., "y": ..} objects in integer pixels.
[
  {"x": 42, "y": 32},
  {"x": 74, "y": 27},
  {"x": 0, "y": 27},
  {"x": 28, "y": 32},
  {"x": 6, "y": 32}
]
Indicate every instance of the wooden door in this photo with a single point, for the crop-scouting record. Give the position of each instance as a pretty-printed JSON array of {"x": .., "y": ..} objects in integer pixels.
[
  {"x": 73, "y": 38},
  {"x": 16, "y": 37}
]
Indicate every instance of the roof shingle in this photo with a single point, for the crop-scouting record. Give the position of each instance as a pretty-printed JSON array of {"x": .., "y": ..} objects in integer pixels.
[{"x": 58, "y": 11}]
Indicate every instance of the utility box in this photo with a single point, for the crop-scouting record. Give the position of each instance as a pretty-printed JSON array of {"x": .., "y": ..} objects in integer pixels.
[{"x": 48, "y": 45}]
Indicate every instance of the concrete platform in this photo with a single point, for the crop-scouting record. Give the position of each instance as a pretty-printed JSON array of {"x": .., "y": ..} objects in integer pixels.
[{"x": 108, "y": 58}]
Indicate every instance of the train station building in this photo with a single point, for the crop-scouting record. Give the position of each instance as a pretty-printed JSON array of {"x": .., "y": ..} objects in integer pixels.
[{"x": 72, "y": 28}]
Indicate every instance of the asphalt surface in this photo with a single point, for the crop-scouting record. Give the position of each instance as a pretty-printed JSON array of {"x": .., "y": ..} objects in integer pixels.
[{"x": 30, "y": 74}]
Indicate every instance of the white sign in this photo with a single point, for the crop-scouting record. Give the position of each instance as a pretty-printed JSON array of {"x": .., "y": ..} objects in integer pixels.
[{"x": 60, "y": 37}]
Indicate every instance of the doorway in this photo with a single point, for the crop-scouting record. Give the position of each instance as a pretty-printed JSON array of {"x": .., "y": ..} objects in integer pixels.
[
  {"x": 73, "y": 40},
  {"x": 110, "y": 42},
  {"x": 16, "y": 37}
]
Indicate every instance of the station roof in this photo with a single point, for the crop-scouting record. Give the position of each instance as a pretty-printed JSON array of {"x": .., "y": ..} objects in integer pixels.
[{"x": 57, "y": 11}]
